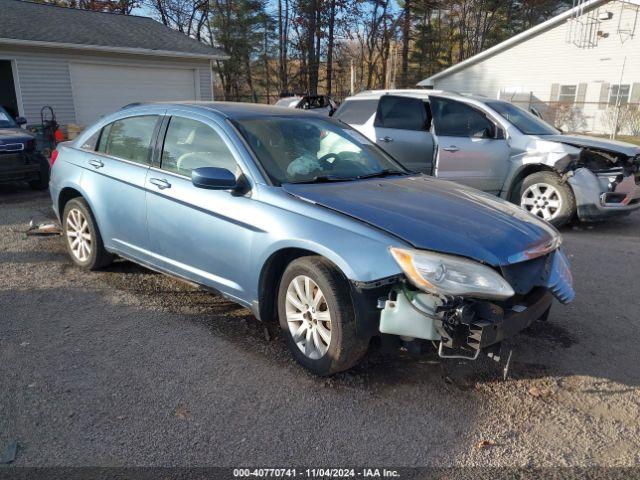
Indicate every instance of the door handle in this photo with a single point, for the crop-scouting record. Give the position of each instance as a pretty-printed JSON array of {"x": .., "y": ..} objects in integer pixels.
[
  {"x": 161, "y": 183},
  {"x": 96, "y": 163},
  {"x": 452, "y": 148},
  {"x": 386, "y": 139}
]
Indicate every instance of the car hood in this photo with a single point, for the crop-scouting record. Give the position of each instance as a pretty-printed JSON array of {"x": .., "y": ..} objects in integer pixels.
[
  {"x": 597, "y": 143},
  {"x": 435, "y": 215},
  {"x": 14, "y": 134}
]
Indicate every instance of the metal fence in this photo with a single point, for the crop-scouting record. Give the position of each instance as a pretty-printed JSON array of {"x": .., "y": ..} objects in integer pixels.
[{"x": 601, "y": 118}]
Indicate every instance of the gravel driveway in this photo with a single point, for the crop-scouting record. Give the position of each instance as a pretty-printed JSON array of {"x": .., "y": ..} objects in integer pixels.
[{"x": 129, "y": 367}]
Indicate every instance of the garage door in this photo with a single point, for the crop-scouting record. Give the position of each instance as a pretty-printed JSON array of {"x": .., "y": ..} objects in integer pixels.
[{"x": 101, "y": 89}]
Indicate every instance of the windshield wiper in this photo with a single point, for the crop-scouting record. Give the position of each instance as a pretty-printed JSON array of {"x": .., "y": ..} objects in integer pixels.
[
  {"x": 324, "y": 179},
  {"x": 382, "y": 173}
]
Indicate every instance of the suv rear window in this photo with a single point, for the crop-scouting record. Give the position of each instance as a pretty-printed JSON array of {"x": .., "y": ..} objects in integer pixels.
[
  {"x": 356, "y": 112},
  {"x": 403, "y": 113}
]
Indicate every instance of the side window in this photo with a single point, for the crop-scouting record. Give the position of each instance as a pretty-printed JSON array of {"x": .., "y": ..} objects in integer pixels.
[
  {"x": 129, "y": 138},
  {"x": 356, "y": 112},
  {"x": 456, "y": 119},
  {"x": 404, "y": 113},
  {"x": 91, "y": 142},
  {"x": 190, "y": 144}
]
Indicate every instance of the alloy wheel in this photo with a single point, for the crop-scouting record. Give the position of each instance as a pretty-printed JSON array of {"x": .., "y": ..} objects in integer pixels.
[
  {"x": 308, "y": 317},
  {"x": 542, "y": 200},
  {"x": 79, "y": 235}
]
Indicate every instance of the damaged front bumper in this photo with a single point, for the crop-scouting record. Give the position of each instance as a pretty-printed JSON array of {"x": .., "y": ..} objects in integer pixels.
[
  {"x": 604, "y": 194},
  {"x": 464, "y": 327}
]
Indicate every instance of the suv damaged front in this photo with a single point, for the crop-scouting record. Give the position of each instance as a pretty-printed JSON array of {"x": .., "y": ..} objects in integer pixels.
[{"x": 604, "y": 175}]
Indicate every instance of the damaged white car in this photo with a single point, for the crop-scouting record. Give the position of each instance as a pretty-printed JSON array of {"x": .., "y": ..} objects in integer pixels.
[{"x": 495, "y": 146}]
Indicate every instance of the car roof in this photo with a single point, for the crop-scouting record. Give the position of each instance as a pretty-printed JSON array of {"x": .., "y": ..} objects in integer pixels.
[
  {"x": 235, "y": 110},
  {"x": 416, "y": 93}
]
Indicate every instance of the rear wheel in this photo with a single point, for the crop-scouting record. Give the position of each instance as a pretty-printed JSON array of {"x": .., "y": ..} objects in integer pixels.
[
  {"x": 82, "y": 236},
  {"x": 317, "y": 317},
  {"x": 544, "y": 195}
]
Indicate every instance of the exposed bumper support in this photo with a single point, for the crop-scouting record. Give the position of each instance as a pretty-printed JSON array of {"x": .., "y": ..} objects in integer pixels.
[{"x": 596, "y": 201}]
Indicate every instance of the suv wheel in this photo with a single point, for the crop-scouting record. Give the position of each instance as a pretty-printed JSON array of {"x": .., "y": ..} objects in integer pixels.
[
  {"x": 82, "y": 237},
  {"x": 544, "y": 194},
  {"x": 317, "y": 317}
]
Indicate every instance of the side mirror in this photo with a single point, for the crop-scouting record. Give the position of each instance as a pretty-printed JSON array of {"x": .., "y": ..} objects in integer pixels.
[
  {"x": 21, "y": 120},
  {"x": 213, "y": 178}
]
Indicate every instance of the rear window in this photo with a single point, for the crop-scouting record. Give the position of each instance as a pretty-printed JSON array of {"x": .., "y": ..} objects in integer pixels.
[
  {"x": 356, "y": 112},
  {"x": 129, "y": 138},
  {"x": 404, "y": 113}
]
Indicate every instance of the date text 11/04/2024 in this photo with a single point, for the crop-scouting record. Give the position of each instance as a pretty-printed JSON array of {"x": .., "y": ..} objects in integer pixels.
[{"x": 316, "y": 473}]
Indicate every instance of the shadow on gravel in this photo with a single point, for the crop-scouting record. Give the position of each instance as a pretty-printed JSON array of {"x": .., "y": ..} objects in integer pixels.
[{"x": 32, "y": 257}]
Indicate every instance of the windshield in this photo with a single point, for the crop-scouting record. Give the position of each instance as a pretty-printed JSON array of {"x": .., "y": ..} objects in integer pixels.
[
  {"x": 524, "y": 121},
  {"x": 301, "y": 150},
  {"x": 5, "y": 119}
]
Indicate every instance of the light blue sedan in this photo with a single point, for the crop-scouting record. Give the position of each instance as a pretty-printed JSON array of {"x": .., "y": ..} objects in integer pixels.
[{"x": 302, "y": 219}]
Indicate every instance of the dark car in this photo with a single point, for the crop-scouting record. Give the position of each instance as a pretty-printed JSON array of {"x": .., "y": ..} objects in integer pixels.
[
  {"x": 19, "y": 159},
  {"x": 322, "y": 104}
]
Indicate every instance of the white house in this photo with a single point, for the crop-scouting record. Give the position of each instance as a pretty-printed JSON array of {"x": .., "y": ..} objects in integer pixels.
[
  {"x": 580, "y": 69},
  {"x": 86, "y": 64}
]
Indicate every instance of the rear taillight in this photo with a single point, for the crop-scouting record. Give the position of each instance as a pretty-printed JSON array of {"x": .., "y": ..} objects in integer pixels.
[{"x": 54, "y": 157}]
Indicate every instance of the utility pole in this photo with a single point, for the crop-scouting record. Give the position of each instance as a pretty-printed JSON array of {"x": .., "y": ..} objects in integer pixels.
[
  {"x": 618, "y": 98},
  {"x": 353, "y": 79}
]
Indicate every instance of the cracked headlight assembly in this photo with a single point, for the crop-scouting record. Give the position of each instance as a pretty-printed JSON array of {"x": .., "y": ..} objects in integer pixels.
[{"x": 449, "y": 275}]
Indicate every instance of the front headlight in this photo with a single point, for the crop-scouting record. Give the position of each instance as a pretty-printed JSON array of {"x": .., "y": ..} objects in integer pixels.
[{"x": 449, "y": 275}]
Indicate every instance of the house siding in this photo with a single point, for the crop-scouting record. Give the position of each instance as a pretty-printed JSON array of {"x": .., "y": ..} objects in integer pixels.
[
  {"x": 537, "y": 66},
  {"x": 44, "y": 76}
]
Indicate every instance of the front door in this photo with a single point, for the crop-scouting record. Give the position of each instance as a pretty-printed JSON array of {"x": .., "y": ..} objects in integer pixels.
[
  {"x": 402, "y": 130},
  {"x": 202, "y": 235},
  {"x": 471, "y": 149}
]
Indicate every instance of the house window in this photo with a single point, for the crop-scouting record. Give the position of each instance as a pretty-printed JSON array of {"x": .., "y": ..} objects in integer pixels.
[
  {"x": 619, "y": 94},
  {"x": 567, "y": 94}
]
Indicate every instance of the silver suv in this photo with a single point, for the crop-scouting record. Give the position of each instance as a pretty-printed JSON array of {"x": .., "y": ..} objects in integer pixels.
[{"x": 495, "y": 146}]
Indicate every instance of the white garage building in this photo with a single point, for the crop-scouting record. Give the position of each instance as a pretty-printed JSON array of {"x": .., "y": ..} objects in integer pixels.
[
  {"x": 86, "y": 64},
  {"x": 580, "y": 69}
]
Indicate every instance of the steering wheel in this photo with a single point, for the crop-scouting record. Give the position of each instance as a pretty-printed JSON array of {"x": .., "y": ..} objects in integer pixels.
[{"x": 325, "y": 159}]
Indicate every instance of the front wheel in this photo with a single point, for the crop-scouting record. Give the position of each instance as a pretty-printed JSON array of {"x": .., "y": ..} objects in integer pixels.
[
  {"x": 544, "y": 195},
  {"x": 317, "y": 317}
]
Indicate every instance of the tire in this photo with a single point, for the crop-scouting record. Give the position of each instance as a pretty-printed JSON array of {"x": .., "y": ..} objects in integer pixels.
[
  {"x": 42, "y": 183},
  {"x": 545, "y": 195},
  {"x": 343, "y": 349},
  {"x": 77, "y": 218}
]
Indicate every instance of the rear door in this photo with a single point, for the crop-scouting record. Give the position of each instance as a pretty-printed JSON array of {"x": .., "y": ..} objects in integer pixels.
[
  {"x": 114, "y": 179},
  {"x": 196, "y": 233},
  {"x": 402, "y": 130},
  {"x": 471, "y": 147}
]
